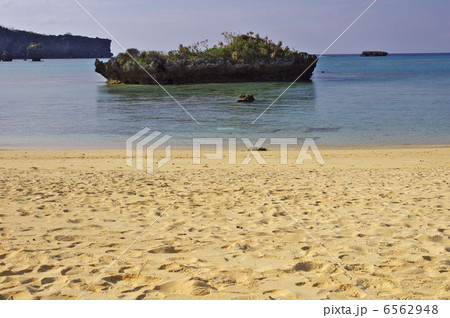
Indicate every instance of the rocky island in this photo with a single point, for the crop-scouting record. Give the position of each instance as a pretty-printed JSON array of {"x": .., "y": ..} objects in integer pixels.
[
  {"x": 15, "y": 44},
  {"x": 239, "y": 58},
  {"x": 374, "y": 53}
]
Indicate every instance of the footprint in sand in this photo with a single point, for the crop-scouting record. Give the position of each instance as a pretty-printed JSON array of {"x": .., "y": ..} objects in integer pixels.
[
  {"x": 189, "y": 286},
  {"x": 114, "y": 279},
  {"x": 45, "y": 268},
  {"x": 306, "y": 266},
  {"x": 164, "y": 250},
  {"x": 280, "y": 294},
  {"x": 65, "y": 238}
]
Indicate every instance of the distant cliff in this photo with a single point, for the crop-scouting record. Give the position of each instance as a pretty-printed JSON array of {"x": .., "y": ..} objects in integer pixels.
[
  {"x": 242, "y": 58},
  {"x": 53, "y": 46}
]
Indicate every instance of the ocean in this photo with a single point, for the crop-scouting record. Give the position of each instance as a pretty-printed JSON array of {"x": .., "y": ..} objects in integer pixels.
[{"x": 350, "y": 100}]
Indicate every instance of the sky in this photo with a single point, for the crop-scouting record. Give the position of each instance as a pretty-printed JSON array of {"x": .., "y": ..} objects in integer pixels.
[{"x": 395, "y": 26}]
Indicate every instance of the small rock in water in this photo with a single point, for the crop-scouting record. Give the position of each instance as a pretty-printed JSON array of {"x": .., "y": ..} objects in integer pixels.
[
  {"x": 257, "y": 149},
  {"x": 245, "y": 98}
]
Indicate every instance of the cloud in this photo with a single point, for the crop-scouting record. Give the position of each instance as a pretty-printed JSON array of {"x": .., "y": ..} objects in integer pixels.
[{"x": 6, "y": 4}]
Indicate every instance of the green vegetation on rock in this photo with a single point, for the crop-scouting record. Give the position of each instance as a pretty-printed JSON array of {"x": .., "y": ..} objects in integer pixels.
[{"x": 236, "y": 48}]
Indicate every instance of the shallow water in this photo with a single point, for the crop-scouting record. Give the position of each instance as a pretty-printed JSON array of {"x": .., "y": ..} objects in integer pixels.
[{"x": 394, "y": 100}]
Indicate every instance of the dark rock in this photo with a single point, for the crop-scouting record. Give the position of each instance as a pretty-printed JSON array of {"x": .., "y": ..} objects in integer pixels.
[
  {"x": 257, "y": 149},
  {"x": 6, "y": 57},
  {"x": 245, "y": 98},
  {"x": 35, "y": 52},
  {"x": 56, "y": 46},
  {"x": 271, "y": 69},
  {"x": 374, "y": 53}
]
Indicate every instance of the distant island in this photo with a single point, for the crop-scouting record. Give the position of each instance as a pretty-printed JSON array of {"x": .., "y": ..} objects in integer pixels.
[
  {"x": 374, "y": 53},
  {"x": 15, "y": 44},
  {"x": 239, "y": 58}
]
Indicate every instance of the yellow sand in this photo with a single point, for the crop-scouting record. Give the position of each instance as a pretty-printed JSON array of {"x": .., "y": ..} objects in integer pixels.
[{"x": 382, "y": 213}]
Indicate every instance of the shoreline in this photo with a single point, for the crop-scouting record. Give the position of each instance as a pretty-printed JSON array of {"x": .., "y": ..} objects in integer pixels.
[
  {"x": 240, "y": 148},
  {"x": 363, "y": 157}
]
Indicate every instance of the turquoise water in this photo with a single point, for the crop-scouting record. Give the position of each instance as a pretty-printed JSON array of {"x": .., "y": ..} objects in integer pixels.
[{"x": 394, "y": 100}]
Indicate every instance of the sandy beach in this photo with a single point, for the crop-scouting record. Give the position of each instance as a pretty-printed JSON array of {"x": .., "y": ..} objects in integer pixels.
[{"x": 236, "y": 232}]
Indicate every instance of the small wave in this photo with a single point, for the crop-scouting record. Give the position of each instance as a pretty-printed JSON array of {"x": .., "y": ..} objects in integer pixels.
[{"x": 322, "y": 129}]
